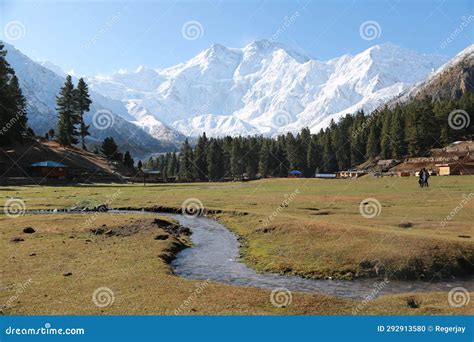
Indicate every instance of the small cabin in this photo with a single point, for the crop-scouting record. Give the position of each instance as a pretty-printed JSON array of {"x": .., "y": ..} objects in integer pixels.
[
  {"x": 49, "y": 169},
  {"x": 152, "y": 175},
  {"x": 460, "y": 168},
  {"x": 295, "y": 174},
  {"x": 350, "y": 174}
]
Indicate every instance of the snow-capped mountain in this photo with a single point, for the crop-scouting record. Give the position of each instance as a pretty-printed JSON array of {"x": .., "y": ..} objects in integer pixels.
[
  {"x": 263, "y": 88},
  {"x": 40, "y": 85}
]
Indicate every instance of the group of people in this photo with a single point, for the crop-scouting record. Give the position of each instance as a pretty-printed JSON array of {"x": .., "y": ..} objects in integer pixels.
[{"x": 423, "y": 177}]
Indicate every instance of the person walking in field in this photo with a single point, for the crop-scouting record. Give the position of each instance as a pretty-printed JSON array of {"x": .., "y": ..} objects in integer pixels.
[
  {"x": 420, "y": 178},
  {"x": 425, "y": 177}
]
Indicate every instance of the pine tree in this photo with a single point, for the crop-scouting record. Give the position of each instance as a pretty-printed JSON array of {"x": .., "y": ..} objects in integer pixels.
[
  {"x": 358, "y": 139},
  {"x": 373, "y": 138},
  {"x": 385, "y": 144},
  {"x": 397, "y": 135},
  {"x": 237, "y": 165},
  {"x": 215, "y": 161},
  {"x": 264, "y": 167},
  {"x": 292, "y": 152},
  {"x": 200, "y": 157},
  {"x": 68, "y": 117},
  {"x": 186, "y": 162},
  {"x": 329, "y": 160},
  {"x": 82, "y": 102},
  {"x": 109, "y": 148},
  {"x": 13, "y": 116},
  {"x": 173, "y": 165},
  {"x": 128, "y": 160}
]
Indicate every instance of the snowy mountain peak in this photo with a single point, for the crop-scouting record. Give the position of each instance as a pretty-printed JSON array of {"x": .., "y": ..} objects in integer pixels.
[{"x": 265, "y": 88}]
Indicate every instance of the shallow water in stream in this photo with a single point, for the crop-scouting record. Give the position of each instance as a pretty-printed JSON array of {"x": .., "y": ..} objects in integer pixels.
[{"x": 215, "y": 252}]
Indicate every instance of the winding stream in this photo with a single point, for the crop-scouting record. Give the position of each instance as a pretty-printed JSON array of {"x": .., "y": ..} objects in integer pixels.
[
  {"x": 215, "y": 253},
  {"x": 215, "y": 256}
]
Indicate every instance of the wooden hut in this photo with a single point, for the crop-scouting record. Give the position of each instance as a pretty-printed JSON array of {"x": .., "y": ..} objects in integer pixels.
[{"x": 49, "y": 169}]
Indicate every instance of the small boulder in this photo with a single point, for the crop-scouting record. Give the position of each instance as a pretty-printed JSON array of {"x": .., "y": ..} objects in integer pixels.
[
  {"x": 28, "y": 230},
  {"x": 17, "y": 239},
  {"x": 67, "y": 274},
  {"x": 162, "y": 237}
]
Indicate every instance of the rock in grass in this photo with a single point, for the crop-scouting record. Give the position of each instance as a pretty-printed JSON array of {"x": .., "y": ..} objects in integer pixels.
[
  {"x": 413, "y": 303},
  {"x": 28, "y": 230},
  {"x": 67, "y": 274},
  {"x": 17, "y": 239},
  {"x": 98, "y": 231}
]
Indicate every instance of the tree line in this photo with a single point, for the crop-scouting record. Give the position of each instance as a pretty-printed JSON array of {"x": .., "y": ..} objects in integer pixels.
[{"x": 389, "y": 133}]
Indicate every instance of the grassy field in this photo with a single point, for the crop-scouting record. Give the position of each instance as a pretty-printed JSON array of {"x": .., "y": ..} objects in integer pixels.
[{"x": 318, "y": 232}]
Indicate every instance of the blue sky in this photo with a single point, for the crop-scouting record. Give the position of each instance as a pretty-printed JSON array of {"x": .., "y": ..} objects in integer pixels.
[{"x": 94, "y": 37}]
